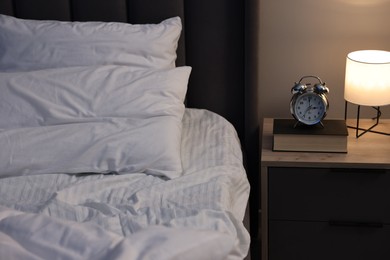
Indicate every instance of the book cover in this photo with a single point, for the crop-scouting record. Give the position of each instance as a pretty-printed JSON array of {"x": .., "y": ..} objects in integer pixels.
[{"x": 332, "y": 137}]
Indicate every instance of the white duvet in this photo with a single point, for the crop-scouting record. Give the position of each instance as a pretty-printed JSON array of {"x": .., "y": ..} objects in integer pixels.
[{"x": 135, "y": 216}]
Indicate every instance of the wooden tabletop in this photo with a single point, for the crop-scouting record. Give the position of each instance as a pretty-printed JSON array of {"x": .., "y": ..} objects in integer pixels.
[{"x": 370, "y": 150}]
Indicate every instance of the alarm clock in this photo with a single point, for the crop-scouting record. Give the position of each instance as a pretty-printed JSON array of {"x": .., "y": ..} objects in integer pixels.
[{"x": 309, "y": 104}]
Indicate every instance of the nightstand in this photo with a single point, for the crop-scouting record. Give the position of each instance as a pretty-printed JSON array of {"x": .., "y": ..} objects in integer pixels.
[{"x": 326, "y": 205}]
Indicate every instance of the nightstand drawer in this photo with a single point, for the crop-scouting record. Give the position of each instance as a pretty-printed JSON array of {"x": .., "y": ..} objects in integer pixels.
[
  {"x": 321, "y": 241},
  {"x": 316, "y": 194}
]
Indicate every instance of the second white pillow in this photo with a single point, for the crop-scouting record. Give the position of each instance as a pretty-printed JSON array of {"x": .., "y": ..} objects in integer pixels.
[{"x": 32, "y": 44}]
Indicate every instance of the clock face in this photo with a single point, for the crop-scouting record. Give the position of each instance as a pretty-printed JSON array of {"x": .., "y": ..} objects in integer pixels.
[{"x": 309, "y": 108}]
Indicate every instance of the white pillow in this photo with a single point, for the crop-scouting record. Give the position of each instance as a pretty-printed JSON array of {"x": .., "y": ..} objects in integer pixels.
[
  {"x": 32, "y": 44},
  {"x": 92, "y": 119}
]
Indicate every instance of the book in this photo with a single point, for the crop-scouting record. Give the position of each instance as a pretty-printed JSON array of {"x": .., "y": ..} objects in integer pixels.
[{"x": 332, "y": 137}]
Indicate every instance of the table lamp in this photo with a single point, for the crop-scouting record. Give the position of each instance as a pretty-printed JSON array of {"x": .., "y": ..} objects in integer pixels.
[{"x": 367, "y": 83}]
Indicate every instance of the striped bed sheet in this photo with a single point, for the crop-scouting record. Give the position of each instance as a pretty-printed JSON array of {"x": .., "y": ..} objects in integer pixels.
[{"x": 136, "y": 216}]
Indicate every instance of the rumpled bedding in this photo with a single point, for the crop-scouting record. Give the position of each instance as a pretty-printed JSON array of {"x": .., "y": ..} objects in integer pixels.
[{"x": 135, "y": 216}]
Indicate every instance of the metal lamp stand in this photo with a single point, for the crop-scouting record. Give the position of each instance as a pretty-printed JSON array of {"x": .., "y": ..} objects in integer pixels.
[{"x": 357, "y": 128}]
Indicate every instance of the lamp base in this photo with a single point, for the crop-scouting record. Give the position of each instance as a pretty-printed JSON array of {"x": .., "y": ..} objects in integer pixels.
[{"x": 363, "y": 130}]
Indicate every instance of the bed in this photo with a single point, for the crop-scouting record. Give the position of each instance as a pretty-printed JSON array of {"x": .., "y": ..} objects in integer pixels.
[{"x": 113, "y": 146}]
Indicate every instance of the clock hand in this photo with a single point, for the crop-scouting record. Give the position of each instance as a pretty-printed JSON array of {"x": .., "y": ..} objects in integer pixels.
[{"x": 308, "y": 109}]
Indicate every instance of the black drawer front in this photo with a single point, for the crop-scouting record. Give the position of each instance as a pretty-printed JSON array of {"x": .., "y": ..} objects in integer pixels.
[
  {"x": 320, "y": 241},
  {"x": 317, "y": 194}
]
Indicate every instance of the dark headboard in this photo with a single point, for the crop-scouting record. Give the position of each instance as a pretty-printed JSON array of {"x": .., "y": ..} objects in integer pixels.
[{"x": 213, "y": 43}]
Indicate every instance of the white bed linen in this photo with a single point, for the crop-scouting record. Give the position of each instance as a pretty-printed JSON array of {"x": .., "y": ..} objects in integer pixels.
[
  {"x": 136, "y": 216},
  {"x": 32, "y": 44},
  {"x": 92, "y": 119}
]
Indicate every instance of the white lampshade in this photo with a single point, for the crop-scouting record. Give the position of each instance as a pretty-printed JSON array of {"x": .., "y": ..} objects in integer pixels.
[{"x": 367, "y": 78}]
